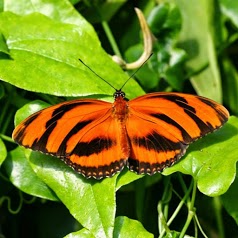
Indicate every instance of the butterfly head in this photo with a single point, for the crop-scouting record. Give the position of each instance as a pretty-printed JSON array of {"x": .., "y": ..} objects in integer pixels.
[{"x": 118, "y": 94}]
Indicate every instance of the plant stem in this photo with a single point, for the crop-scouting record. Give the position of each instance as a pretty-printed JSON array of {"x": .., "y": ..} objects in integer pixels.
[
  {"x": 218, "y": 212},
  {"x": 111, "y": 38},
  {"x": 163, "y": 207},
  {"x": 199, "y": 226}
]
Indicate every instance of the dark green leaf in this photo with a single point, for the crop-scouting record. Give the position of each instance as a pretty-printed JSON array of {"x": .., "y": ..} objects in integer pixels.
[
  {"x": 23, "y": 177},
  {"x": 2, "y": 93},
  {"x": 3, "y": 45},
  {"x": 229, "y": 200},
  {"x": 230, "y": 86},
  {"x": 102, "y": 10}
]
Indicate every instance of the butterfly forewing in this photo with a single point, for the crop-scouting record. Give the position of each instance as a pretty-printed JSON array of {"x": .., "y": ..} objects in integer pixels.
[{"x": 171, "y": 121}]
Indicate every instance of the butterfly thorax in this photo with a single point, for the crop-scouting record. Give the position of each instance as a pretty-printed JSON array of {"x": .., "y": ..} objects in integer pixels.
[{"x": 120, "y": 106}]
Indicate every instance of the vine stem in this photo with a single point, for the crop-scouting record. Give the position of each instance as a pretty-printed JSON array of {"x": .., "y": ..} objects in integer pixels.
[
  {"x": 175, "y": 213},
  {"x": 191, "y": 210},
  {"x": 8, "y": 200},
  {"x": 6, "y": 138}
]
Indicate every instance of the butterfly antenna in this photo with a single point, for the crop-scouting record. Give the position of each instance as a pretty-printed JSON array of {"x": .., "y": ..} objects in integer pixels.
[
  {"x": 96, "y": 74},
  {"x": 136, "y": 71}
]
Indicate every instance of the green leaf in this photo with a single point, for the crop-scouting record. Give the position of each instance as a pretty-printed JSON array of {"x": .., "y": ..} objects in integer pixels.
[
  {"x": 125, "y": 177},
  {"x": 91, "y": 202},
  {"x": 1, "y": 5},
  {"x": 229, "y": 200},
  {"x": 3, "y": 151},
  {"x": 212, "y": 160},
  {"x": 158, "y": 17},
  {"x": 23, "y": 177},
  {"x": 230, "y": 9},
  {"x": 197, "y": 39},
  {"x": 126, "y": 227},
  {"x": 44, "y": 56}
]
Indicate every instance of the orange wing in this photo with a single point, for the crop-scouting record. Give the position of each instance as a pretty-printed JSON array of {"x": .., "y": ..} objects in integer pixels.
[
  {"x": 80, "y": 132},
  {"x": 162, "y": 125}
]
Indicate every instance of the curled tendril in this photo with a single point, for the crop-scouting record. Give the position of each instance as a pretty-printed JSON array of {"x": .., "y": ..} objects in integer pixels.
[{"x": 148, "y": 39}]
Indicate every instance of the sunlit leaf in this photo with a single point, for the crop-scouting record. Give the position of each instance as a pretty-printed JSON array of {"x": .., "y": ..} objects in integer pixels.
[{"x": 212, "y": 160}]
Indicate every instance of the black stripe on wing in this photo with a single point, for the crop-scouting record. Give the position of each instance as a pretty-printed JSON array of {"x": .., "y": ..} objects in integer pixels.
[
  {"x": 155, "y": 141},
  {"x": 95, "y": 146},
  {"x": 78, "y": 127},
  {"x": 221, "y": 115},
  {"x": 205, "y": 127},
  {"x": 41, "y": 143},
  {"x": 186, "y": 137},
  {"x": 19, "y": 136}
]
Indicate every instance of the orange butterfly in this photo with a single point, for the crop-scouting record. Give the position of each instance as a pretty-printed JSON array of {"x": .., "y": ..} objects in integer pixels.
[{"x": 98, "y": 138}]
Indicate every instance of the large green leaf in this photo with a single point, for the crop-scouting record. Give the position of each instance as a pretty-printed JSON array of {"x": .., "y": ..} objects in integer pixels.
[
  {"x": 91, "y": 202},
  {"x": 59, "y": 10},
  {"x": 197, "y": 39},
  {"x": 44, "y": 58},
  {"x": 212, "y": 160}
]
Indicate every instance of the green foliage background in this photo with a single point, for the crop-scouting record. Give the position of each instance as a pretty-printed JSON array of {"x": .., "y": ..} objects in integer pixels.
[{"x": 194, "y": 51}]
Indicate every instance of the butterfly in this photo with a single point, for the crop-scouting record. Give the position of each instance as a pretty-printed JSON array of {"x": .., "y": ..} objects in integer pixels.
[{"x": 98, "y": 138}]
